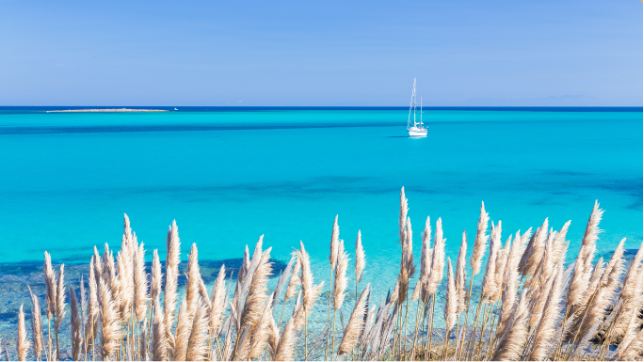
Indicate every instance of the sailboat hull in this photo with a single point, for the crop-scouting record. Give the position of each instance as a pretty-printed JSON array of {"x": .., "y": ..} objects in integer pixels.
[{"x": 417, "y": 132}]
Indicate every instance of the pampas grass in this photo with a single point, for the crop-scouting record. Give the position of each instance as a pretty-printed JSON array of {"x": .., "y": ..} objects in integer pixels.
[
  {"x": 110, "y": 329},
  {"x": 171, "y": 274},
  {"x": 140, "y": 284},
  {"x": 509, "y": 347},
  {"x": 451, "y": 299},
  {"x": 22, "y": 343},
  {"x": 197, "y": 349},
  {"x": 36, "y": 325},
  {"x": 480, "y": 242},
  {"x": 553, "y": 313},
  {"x": 355, "y": 325},
  {"x": 76, "y": 320},
  {"x": 159, "y": 338},
  {"x": 361, "y": 261}
]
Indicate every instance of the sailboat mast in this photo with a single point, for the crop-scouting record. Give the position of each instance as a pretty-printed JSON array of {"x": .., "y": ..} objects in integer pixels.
[{"x": 412, "y": 104}]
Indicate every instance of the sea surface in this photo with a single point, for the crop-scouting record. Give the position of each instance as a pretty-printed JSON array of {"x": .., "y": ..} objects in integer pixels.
[{"x": 228, "y": 175}]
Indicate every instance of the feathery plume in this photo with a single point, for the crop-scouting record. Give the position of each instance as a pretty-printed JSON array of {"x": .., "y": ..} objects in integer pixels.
[
  {"x": 50, "y": 285},
  {"x": 218, "y": 301},
  {"x": 310, "y": 292},
  {"x": 60, "y": 296},
  {"x": 630, "y": 296},
  {"x": 259, "y": 339},
  {"x": 184, "y": 325},
  {"x": 143, "y": 345},
  {"x": 438, "y": 259},
  {"x": 425, "y": 262},
  {"x": 77, "y": 333},
  {"x": 360, "y": 258},
  {"x": 509, "y": 295},
  {"x": 402, "y": 220},
  {"x": 480, "y": 241},
  {"x": 257, "y": 294},
  {"x": 461, "y": 274},
  {"x": 155, "y": 285},
  {"x": 140, "y": 284},
  {"x": 197, "y": 349},
  {"x": 159, "y": 340},
  {"x": 499, "y": 270},
  {"x": 542, "y": 287},
  {"x": 245, "y": 264},
  {"x": 193, "y": 277},
  {"x": 335, "y": 235},
  {"x": 171, "y": 274},
  {"x": 511, "y": 343},
  {"x": 451, "y": 299},
  {"x": 604, "y": 294},
  {"x": 22, "y": 343},
  {"x": 110, "y": 328},
  {"x": 579, "y": 282},
  {"x": 632, "y": 351},
  {"x": 286, "y": 346},
  {"x": 294, "y": 282},
  {"x": 36, "y": 324},
  {"x": 545, "y": 331},
  {"x": 340, "y": 284},
  {"x": 98, "y": 268},
  {"x": 409, "y": 256},
  {"x": 585, "y": 341},
  {"x": 121, "y": 284},
  {"x": 636, "y": 265},
  {"x": 489, "y": 279},
  {"x": 629, "y": 336},
  {"x": 93, "y": 308},
  {"x": 273, "y": 338},
  {"x": 534, "y": 252},
  {"x": 354, "y": 327}
]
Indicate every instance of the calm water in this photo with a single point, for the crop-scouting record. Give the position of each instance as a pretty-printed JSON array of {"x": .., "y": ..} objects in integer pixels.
[{"x": 229, "y": 175}]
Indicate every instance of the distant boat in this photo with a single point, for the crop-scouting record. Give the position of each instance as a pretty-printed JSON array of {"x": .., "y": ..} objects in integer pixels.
[
  {"x": 416, "y": 129},
  {"x": 176, "y": 109}
]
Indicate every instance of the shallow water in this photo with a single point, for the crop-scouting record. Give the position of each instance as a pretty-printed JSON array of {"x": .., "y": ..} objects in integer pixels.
[{"x": 230, "y": 175}]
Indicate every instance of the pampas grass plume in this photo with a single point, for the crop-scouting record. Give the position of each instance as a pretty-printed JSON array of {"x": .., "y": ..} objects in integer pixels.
[
  {"x": 140, "y": 284},
  {"x": 159, "y": 340},
  {"x": 579, "y": 281},
  {"x": 480, "y": 241},
  {"x": 341, "y": 281},
  {"x": 335, "y": 235},
  {"x": 360, "y": 258},
  {"x": 36, "y": 324},
  {"x": 77, "y": 333},
  {"x": 461, "y": 274},
  {"x": 218, "y": 301},
  {"x": 438, "y": 259},
  {"x": 197, "y": 349},
  {"x": 50, "y": 285},
  {"x": 451, "y": 298},
  {"x": 355, "y": 325},
  {"x": 511, "y": 343},
  {"x": 60, "y": 296},
  {"x": 156, "y": 277},
  {"x": 22, "y": 343},
  {"x": 110, "y": 328}
]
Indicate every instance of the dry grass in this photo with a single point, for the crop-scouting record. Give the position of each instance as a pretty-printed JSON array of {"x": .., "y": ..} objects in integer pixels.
[{"x": 552, "y": 313}]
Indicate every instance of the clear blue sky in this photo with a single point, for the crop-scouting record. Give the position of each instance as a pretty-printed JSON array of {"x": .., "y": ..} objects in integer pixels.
[{"x": 320, "y": 53}]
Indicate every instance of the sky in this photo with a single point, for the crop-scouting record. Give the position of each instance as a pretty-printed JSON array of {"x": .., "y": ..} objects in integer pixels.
[{"x": 321, "y": 53}]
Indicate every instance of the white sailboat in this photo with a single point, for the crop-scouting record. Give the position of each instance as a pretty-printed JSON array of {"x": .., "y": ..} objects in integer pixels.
[{"x": 416, "y": 129}]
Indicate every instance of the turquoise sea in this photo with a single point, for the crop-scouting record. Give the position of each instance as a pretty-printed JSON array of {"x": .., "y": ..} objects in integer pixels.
[{"x": 229, "y": 175}]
